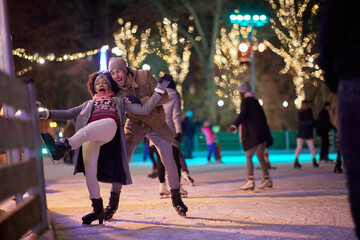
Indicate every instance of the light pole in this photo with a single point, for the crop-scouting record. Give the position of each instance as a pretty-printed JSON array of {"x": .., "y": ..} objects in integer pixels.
[{"x": 254, "y": 21}]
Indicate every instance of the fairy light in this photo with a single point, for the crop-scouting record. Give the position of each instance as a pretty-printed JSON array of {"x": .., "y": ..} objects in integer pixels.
[
  {"x": 127, "y": 41},
  {"x": 21, "y": 53},
  {"x": 297, "y": 49},
  {"x": 227, "y": 60},
  {"x": 23, "y": 71},
  {"x": 175, "y": 51}
]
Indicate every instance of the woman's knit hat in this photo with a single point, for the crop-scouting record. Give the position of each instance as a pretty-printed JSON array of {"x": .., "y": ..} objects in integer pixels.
[
  {"x": 102, "y": 75},
  {"x": 244, "y": 87},
  {"x": 118, "y": 62}
]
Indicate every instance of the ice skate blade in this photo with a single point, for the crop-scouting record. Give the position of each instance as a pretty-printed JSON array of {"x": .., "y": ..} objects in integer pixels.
[
  {"x": 247, "y": 190},
  {"x": 181, "y": 213},
  {"x": 163, "y": 195},
  {"x": 184, "y": 195}
]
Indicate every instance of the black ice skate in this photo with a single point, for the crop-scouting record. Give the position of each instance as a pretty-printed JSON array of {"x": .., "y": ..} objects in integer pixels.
[
  {"x": 56, "y": 150},
  {"x": 178, "y": 204}
]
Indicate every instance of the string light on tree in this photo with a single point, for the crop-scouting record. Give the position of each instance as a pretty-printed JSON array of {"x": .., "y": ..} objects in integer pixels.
[
  {"x": 23, "y": 71},
  {"x": 128, "y": 43},
  {"x": 228, "y": 63},
  {"x": 146, "y": 67},
  {"x": 175, "y": 51},
  {"x": 297, "y": 48}
]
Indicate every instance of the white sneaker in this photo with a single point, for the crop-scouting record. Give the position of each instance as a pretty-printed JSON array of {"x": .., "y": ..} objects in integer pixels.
[
  {"x": 266, "y": 183},
  {"x": 249, "y": 185},
  {"x": 164, "y": 191}
]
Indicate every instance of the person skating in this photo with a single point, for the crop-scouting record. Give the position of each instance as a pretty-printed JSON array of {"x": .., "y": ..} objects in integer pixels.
[
  {"x": 306, "y": 124},
  {"x": 99, "y": 139},
  {"x": 173, "y": 119},
  {"x": 141, "y": 84},
  {"x": 189, "y": 132},
  {"x": 323, "y": 125},
  {"x": 255, "y": 136},
  {"x": 210, "y": 142}
]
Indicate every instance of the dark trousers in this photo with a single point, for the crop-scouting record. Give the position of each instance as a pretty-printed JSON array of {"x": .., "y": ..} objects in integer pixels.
[
  {"x": 324, "y": 152},
  {"x": 188, "y": 145},
  {"x": 338, "y": 157},
  {"x": 151, "y": 152},
  {"x": 349, "y": 132},
  {"x": 161, "y": 168}
]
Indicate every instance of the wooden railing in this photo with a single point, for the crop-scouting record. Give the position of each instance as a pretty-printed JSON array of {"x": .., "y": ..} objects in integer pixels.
[{"x": 22, "y": 174}]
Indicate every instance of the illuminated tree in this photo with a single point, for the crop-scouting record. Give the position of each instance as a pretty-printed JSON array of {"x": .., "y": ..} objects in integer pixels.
[
  {"x": 203, "y": 43},
  {"x": 297, "y": 47},
  {"x": 228, "y": 62},
  {"x": 128, "y": 43},
  {"x": 175, "y": 51}
]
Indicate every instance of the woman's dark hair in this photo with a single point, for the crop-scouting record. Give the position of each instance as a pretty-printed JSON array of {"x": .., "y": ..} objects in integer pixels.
[
  {"x": 92, "y": 77},
  {"x": 302, "y": 105}
]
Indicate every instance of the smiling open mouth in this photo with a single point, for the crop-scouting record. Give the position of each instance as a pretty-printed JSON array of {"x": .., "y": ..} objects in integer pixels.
[{"x": 102, "y": 90}]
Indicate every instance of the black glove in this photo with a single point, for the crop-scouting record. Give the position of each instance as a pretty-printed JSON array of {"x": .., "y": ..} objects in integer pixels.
[
  {"x": 165, "y": 77},
  {"x": 178, "y": 137},
  {"x": 163, "y": 83},
  {"x": 133, "y": 99}
]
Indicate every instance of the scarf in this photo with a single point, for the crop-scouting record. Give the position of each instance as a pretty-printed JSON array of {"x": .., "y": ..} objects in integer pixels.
[{"x": 109, "y": 93}]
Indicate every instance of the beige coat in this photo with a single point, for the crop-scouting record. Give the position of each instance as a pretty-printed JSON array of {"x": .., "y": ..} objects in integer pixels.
[{"x": 142, "y": 87}]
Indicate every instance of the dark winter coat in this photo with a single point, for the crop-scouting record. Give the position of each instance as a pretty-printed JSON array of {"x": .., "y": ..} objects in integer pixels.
[
  {"x": 188, "y": 127},
  {"x": 306, "y": 124},
  {"x": 112, "y": 163},
  {"x": 338, "y": 42},
  {"x": 323, "y": 123},
  {"x": 254, "y": 128}
]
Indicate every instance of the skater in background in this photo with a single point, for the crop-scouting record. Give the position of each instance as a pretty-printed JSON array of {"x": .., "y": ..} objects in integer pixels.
[
  {"x": 306, "y": 124},
  {"x": 99, "y": 142},
  {"x": 173, "y": 119},
  {"x": 323, "y": 125},
  {"x": 146, "y": 149},
  {"x": 188, "y": 134},
  {"x": 255, "y": 136},
  {"x": 338, "y": 163},
  {"x": 210, "y": 142},
  {"x": 197, "y": 124},
  {"x": 150, "y": 153}
]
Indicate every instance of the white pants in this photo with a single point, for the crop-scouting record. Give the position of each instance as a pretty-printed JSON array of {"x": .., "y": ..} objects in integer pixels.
[
  {"x": 92, "y": 137},
  {"x": 300, "y": 143}
]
